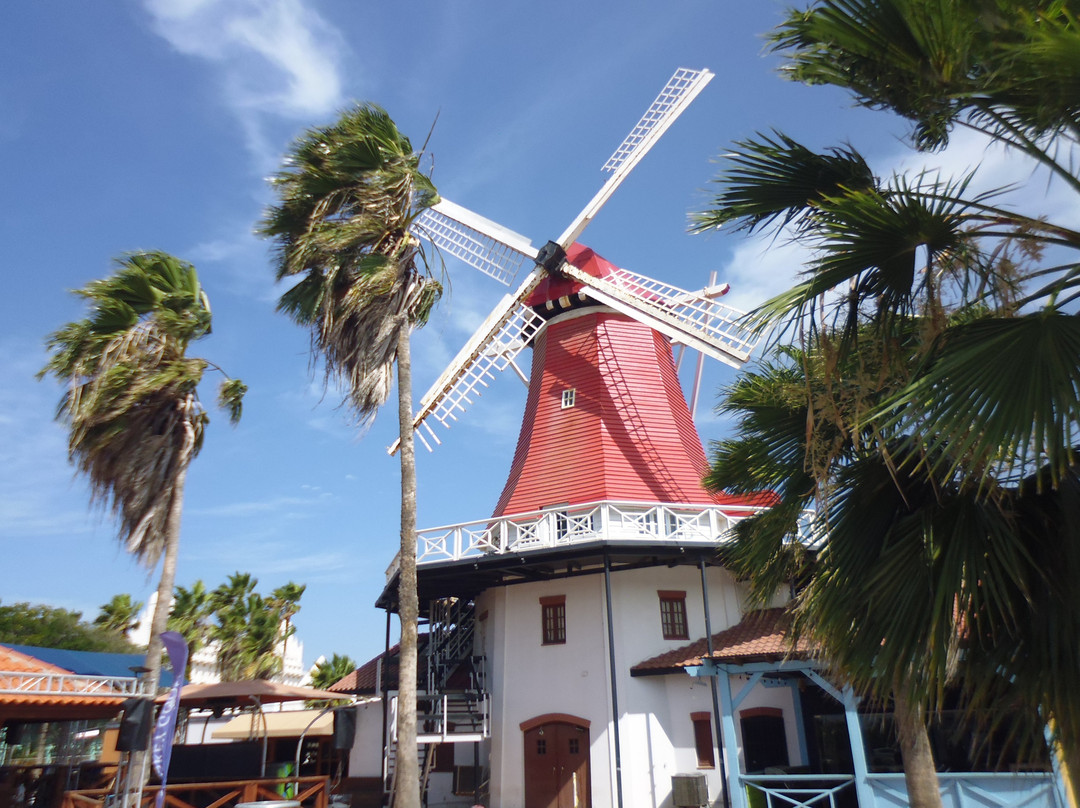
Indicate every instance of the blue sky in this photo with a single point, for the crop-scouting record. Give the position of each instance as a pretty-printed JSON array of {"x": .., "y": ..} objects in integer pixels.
[{"x": 153, "y": 125}]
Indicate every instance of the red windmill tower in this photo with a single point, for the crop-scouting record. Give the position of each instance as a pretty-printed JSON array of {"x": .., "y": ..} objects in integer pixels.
[{"x": 606, "y": 478}]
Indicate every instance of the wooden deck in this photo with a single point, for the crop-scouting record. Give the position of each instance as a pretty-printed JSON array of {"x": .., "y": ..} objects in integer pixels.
[{"x": 312, "y": 792}]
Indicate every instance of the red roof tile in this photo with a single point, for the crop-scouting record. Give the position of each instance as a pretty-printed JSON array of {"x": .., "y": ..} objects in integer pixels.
[
  {"x": 365, "y": 679},
  {"x": 760, "y": 636}
]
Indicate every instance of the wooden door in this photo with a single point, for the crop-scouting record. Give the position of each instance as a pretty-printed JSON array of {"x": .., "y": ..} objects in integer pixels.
[{"x": 557, "y": 766}]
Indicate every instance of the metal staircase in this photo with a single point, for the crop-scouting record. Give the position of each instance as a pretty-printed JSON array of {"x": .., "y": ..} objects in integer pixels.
[{"x": 455, "y": 707}]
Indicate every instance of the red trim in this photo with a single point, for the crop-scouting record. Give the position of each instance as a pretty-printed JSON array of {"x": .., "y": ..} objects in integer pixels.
[
  {"x": 704, "y": 715},
  {"x": 671, "y": 594},
  {"x": 757, "y": 712},
  {"x": 554, "y": 718}
]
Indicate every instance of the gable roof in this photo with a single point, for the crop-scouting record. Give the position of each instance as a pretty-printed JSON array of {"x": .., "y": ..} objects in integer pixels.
[
  {"x": 369, "y": 680},
  {"x": 759, "y": 637}
]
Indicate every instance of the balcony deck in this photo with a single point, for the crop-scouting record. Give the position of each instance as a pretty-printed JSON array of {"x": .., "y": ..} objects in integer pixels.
[{"x": 649, "y": 523}]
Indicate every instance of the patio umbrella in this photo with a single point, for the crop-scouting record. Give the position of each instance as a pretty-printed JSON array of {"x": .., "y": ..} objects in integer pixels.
[{"x": 243, "y": 694}]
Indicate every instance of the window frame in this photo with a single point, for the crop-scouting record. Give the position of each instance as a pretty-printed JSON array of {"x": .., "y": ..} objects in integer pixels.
[
  {"x": 672, "y": 612},
  {"x": 553, "y": 620},
  {"x": 704, "y": 747}
]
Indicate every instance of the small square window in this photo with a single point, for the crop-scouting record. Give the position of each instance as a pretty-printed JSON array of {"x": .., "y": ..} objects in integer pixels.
[
  {"x": 673, "y": 615},
  {"x": 568, "y": 398},
  {"x": 553, "y": 619}
]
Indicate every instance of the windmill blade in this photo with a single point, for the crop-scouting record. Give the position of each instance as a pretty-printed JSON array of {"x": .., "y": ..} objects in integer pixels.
[
  {"x": 481, "y": 243},
  {"x": 496, "y": 344},
  {"x": 695, "y": 319},
  {"x": 681, "y": 89}
]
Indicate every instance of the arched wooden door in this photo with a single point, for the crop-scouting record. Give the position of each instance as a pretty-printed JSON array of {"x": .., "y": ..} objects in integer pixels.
[{"x": 556, "y": 763}]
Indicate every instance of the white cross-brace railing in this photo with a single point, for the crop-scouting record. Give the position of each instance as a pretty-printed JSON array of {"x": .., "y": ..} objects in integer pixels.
[
  {"x": 565, "y": 525},
  {"x": 799, "y": 790},
  {"x": 66, "y": 684}
]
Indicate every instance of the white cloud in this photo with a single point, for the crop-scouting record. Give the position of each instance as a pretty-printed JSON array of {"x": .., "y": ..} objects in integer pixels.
[{"x": 276, "y": 57}]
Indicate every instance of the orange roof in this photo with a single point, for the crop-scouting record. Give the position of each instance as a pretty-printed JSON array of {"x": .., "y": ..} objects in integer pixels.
[
  {"x": 628, "y": 436},
  {"x": 367, "y": 679},
  {"x": 760, "y": 636},
  {"x": 63, "y": 701}
]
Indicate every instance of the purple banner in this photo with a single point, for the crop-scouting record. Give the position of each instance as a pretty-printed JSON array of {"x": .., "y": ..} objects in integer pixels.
[{"x": 162, "y": 739}]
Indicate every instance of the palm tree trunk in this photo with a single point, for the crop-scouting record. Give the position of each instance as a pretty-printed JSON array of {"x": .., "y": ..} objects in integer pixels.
[
  {"x": 920, "y": 774},
  {"x": 407, "y": 788},
  {"x": 160, "y": 621}
]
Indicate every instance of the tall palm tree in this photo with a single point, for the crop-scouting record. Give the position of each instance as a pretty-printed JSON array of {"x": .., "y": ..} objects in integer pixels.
[
  {"x": 132, "y": 407},
  {"x": 774, "y": 449},
  {"x": 1007, "y": 70},
  {"x": 120, "y": 615},
  {"x": 347, "y": 197},
  {"x": 994, "y": 388}
]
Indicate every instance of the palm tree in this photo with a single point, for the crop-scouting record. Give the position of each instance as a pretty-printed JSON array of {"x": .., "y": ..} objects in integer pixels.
[
  {"x": 286, "y": 599},
  {"x": 331, "y": 671},
  {"x": 348, "y": 196},
  {"x": 257, "y": 655},
  {"x": 232, "y": 618},
  {"x": 190, "y": 617},
  {"x": 833, "y": 464},
  {"x": 1000, "y": 68},
  {"x": 120, "y": 615},
  {"x": 132, "y": 407},
  {"x": 992, "y": 391}
]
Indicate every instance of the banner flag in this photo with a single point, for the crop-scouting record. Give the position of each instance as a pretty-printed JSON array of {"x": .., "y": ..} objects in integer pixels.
[{"x": 162, "y": 739}]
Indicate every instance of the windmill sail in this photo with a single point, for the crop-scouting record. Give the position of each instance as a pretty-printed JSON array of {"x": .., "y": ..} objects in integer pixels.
[
  {"x": 693, "y": 318},
  {"x": 681, "y": 89},
  {"x": 481, "y": 243},
  {"x": 494, "y": 347}
]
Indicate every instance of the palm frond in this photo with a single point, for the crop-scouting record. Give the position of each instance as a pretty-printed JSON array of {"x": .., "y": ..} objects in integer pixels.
[
  {"x": 348, "y": 195},
  {"x": 778, "y": 181},
  {"x": 1001, "y": 393}
]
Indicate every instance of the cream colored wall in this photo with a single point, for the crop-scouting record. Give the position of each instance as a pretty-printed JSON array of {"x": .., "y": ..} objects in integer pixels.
[{"x": 528, "y": 679}]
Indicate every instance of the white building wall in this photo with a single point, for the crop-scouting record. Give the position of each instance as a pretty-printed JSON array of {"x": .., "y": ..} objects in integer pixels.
[
  {"x": 366, "y": 755},
  {"x": 528, "y": 679},
  {"x": 657, "y": 733}
]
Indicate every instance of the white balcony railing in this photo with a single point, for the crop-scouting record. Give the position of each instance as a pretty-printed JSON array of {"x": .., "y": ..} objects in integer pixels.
[
  {"x": 66, "y": 684},
  {"x": 567, "y": 525}
]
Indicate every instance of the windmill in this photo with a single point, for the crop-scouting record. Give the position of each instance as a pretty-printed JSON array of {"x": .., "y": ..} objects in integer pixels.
[{"x": 563, "y": 277}]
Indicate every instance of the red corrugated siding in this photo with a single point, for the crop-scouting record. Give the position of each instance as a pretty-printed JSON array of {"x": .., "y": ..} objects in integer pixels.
[{"x": 629, "y": 435}]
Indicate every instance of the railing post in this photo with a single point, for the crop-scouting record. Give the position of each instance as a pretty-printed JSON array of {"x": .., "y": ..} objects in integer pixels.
[{"x": 858, "y": 748}]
